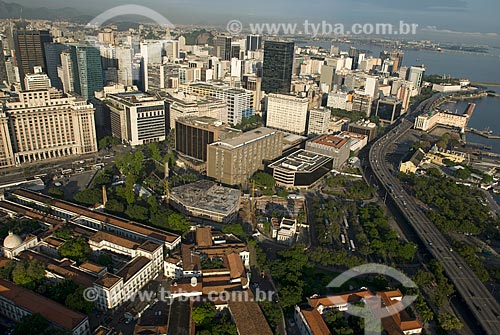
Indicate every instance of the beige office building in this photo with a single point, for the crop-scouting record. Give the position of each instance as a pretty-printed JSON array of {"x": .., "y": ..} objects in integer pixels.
[
  {"x": 44, "y": 125},
  {"x": 233, "y": 161},
  {"x": 287, "y": 112}
]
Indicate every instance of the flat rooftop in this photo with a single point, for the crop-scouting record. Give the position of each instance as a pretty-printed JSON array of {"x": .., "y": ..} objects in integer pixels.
[
  {"x": 135, "y": 98},
  {"x": 330, "y": 141},
  {"x": 246, "y": 138},
  {"x": 301, "y": 161},
  {"x": 185, "y": 98},
  {"x": 207, "y": 195}
]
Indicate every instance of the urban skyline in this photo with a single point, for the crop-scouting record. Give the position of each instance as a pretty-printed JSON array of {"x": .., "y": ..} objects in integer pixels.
[{"x": 208, "y": 179}]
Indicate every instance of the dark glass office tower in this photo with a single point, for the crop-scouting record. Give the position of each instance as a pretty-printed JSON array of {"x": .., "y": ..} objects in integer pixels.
[
  {"x": 222, "y": 47},
  {"x": 53, "y": 59},
  {"x": 254, "y": 42},
  {"x": 278, "y": 67},
  {"x": 30, "y": 50},
  {"x": 87, "y": 70}
]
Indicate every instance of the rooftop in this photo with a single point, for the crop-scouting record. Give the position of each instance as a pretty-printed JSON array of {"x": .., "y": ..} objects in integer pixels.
[
  {"x": 52, "y": 311},
  {"x": 330, "y": 141},
  {"x": 249, "y": 319},
  {"x": 112, "y": 220},
  {"x": 134, "y": 98},
  {"x": 104, "y": 236},
  {"x": 206, "y": 195},
  {"x": 246, "y": 138},
  {"x": 108, "y": 280},
  {"x": 301, "y": 161},
  {"x": 133, "y": 267},
  {"x": 315, "y": 321}
]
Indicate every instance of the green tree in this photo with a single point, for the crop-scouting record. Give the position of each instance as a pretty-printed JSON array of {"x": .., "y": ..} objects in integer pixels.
[
  {"x": 105, "y": 177},
  {"x": 108, "y": 141},
  {"x": 77, "y": 302},
  {"x": 155, "y": 152},
  {"x": 264, "y": 180},
  {"x": 449, "y": 322},
  {"x": 76, "y": 249},
  {"x": 203, "y": 314},
  {"x": 7, "y": 269},
  {"x": 28, "y": 274},
  {"x": 130, "y": 188},
  {"x": 90, "y": 196},
  {"x": 137, "y": 212},
  {"x": 105, "y": 259},
  {"x": 235, "y": 229},
  {"x": 56, "y": 192},
  {"x": 32, "y": 324},
  {"x": 171, "y": 221},
  {"x": 464, "y": 173},
  {"x": 115, "y": 206},
  {"x": 64, "y": 233},
  {"x": 132, "y": 164},
  {"x": 153, "y": 204}
]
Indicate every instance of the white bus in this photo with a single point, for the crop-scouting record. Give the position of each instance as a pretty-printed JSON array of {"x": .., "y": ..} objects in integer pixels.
[
  {"x": 342, "y": 237},
  {"x": 353, "y": 247}
]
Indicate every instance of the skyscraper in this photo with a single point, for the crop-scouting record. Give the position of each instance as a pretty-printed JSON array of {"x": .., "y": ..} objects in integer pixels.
[
  {"x": 278, "y": 66},
  {"x": 65, "y": 72},
  {"x": 416, "y": 76},
  {"x": 287, "y": 112},
  {"x": 30, "y": 50},
  {"x": 222, "y": 47},
  {"x": 53, "y": 53},
  {"x": 3, "y": 69},
  {"x": 254, "y": 42},
  {"x": 87, "y": 70}
]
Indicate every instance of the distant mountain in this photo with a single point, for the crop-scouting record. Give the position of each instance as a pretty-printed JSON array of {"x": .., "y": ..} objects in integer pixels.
[{"x": 13, "y": 10}]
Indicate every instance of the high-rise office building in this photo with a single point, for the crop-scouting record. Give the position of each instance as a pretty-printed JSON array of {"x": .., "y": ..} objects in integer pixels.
[
  {"x": 137, "y": 118},
  {"x": 125, "y": 56},
  {"x": 181, "y": 105},
  {"x": 53, "y": 53},
  {"x": 239, "y": 101},
  {"x": 87, "y": 70},
  {"x": 30, "y": 50},
  {"x": 65, "y": 72},
  {"x": 278, "y": 66},
  {"x": 396, "y": 56},
  {"x": 254, "y": 42},
  {"x": 416, "y": 76},
  {"x": 194, "y": 134},
  {"x": 388, "y": 109},
  {"x": 287, "y": 112},
  {"x": 3, "y": 70},
  {"x": 319, "y": 121},
  {"x": 45, "y": 125},
  {"x": 222, "y": 47},
  {"x": 37, "y": 81},
  {"x": 233, "y": 161}
]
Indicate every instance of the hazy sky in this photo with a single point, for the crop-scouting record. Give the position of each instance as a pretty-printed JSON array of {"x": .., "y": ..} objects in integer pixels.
[{"x": 456, "y": 15}]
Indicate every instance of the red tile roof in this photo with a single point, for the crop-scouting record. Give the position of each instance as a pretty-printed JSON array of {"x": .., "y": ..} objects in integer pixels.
[
  {"x": 112, "y": 220},
  {"x": 50, "y": 310}
]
